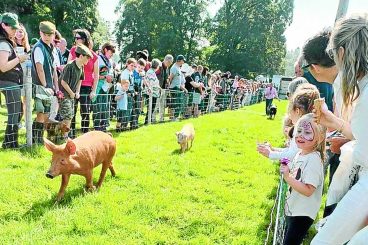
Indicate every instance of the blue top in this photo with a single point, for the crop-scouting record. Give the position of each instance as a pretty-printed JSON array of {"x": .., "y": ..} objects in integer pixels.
[
  {"x": 325, "y": 89},
  {"x": 122, "y": 103}
]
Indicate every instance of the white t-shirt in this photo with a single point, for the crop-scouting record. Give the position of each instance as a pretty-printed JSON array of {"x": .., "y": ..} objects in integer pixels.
[
  {"x": 38, "y": 56},
  {"x": 56, "y": 58},
  {"x": 4, "y": 46},
  {"x": 307, "y": 169}
]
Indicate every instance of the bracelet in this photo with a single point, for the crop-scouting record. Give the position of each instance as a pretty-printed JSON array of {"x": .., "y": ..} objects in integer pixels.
[{"x": 341, "y": 127}]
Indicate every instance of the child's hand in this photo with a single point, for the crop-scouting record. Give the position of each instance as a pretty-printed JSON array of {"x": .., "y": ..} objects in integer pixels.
[
  {"x": 77, "y": 95},
  {"x": 264, "y": 150},
  {"x": 285, "y": 171},
  {"x": 92, "y": 95},
  {"x": 72, "y": 95}
]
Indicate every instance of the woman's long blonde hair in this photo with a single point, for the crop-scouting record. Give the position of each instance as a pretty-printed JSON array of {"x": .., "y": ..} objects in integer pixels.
[
  {"x": 25, "y": 42},
  {"x": 351, "y": 34}
]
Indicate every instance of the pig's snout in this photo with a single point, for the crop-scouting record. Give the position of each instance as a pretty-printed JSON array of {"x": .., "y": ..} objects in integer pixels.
[{"x": 48, "y": 175}]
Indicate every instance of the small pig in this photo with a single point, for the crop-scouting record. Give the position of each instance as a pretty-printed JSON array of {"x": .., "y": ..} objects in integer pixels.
[
  {"x": 184, "y": 136},
  {"x": 80, "y": 156}
]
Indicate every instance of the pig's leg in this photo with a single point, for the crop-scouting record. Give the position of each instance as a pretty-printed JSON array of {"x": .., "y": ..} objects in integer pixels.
[
  {"x": 191, "y": 143},
  {"x": 64, "y": 183},
  {"x": 89, "y": 182},
  {"x": 105, "y": 166},
  {"x": 112, "y": 170}
]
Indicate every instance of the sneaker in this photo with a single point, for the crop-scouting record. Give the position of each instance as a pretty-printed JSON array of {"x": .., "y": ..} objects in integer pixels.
[{"x": 52, "y": 120}]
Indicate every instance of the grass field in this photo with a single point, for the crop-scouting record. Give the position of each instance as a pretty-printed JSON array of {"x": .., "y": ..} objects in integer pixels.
[{"x": 220, "y": 192}]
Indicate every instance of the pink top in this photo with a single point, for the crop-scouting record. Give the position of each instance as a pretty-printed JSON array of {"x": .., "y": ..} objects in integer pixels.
[
  {"x": 88, "y": 69},
  {"x": 270, "y": 93}
]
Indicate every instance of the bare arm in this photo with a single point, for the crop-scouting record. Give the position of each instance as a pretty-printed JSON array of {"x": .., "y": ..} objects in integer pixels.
[
  {"x": 195, "y": 85},
  {"x": 304, "y": 189},
  {"x": 56, "y": 80},
  {"x": 67, "y": 88},
  {"x": 6, "y": 65},
  {"x": 41, "y": 74},
  {"x": 96, "y": 74}
]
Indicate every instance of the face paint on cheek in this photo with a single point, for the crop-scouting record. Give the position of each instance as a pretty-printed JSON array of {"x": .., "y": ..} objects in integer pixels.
[{"x": 307, "y": 131}]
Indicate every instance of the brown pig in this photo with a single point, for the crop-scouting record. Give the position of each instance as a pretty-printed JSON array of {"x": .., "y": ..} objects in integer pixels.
[
  {"x": 80, "y": 156},
  {"x": 184, "y": 136}
]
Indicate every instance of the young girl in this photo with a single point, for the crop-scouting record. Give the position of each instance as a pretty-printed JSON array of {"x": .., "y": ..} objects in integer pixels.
[
  {"x": 300, "y": 104},
  {"x": 304, "y": 175}
]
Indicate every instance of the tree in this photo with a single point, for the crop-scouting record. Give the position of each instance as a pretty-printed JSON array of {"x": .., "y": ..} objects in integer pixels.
[
  {"x": 162, "y": 27},
  {"x": 248, "y": 36},
  {"x": 67, "y": 15}
]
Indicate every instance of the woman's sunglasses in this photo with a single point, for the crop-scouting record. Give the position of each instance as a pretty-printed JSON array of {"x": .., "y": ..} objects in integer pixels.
[{"x": 78, "y": 38}]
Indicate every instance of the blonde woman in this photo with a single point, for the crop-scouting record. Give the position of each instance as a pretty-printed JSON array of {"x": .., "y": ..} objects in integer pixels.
[{"x": 349, "y": 47}]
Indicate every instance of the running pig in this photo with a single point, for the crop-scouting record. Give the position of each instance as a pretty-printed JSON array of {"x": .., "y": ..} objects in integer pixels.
[{"x": 80, "y": 156}]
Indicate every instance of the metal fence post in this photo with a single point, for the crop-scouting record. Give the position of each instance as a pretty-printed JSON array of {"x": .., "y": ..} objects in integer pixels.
[
  {"x": 28, "y": 97},
  {"x": 149, "y": 109}
]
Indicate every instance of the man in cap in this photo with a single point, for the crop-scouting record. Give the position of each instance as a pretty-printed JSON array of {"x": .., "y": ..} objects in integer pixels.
[
  {"x": 44, "y": 78},
  {"x": 175, "y": 85},
  {"x": 71, "y": 80}
]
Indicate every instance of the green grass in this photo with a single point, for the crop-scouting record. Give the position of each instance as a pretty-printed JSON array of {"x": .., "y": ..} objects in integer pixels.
[{"x": 220, "y": 192}]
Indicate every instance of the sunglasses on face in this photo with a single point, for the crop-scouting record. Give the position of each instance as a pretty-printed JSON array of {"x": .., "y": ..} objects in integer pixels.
[
  {"x": 78, "y": 38},
  {"x": 57, "y": 41}
]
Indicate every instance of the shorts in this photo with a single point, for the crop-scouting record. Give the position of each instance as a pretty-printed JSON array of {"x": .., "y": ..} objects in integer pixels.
[
  {"x": 66, "y": 109},
  {"x": 42, "y": 106}
]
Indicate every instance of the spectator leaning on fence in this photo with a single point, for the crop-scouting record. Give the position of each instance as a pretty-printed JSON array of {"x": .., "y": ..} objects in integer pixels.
[
  {"x": 101, "y": 107},
  {"x": 175, "y": 81},
  {"x": 70, "y": 82},
  {"x": 89, "y": 83},
  {"x": 127, "y": 76},
  {"x": 300, "y": 104},
  {"x": 163, "y": 75},
  {"x": 11, "y": 77},
  {"x": 21, "y": 40},
  {"x": 139, "y": 76},
  {"x": 121, "y": 99},
  {"x": 304, "y": 176},
  {"x": 348, "y": 46},
  {"x": 153, "y": 87},
  {"x": 44, "y": 78}
]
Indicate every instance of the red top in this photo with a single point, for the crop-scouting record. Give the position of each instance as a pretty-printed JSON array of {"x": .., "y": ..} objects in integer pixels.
[{"x": 88, "y": 68}]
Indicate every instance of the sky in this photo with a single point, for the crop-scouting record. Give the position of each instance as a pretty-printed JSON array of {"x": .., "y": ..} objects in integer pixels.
[{"x": 310, "y": 16}]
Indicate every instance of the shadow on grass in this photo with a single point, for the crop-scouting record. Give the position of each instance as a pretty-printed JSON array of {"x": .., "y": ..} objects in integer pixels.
[
  {"x": 176, "y": 152},
  {"x": 39, "y": 209}
]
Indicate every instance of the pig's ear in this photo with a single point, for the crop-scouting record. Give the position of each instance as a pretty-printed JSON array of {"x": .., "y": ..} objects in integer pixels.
[
  {"x": 49, "y": 145},
  {"x": 70, "y": 147},
  {"x": 177, "y": 133}
]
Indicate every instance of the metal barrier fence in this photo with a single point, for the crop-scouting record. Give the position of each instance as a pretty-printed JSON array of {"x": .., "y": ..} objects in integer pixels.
[
  {"x": 278, "y": 221},
  {"x": 107, "y": 112}
]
